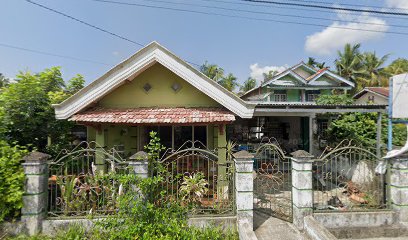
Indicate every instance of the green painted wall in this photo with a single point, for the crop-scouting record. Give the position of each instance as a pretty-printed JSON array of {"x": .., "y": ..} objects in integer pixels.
[
  {"x": 161, "y": 79},
  {"x": 293, "y": 95}
]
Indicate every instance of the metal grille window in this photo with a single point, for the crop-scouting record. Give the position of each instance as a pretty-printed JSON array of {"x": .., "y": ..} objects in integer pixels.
[
  {"x": 280, "y": 96},
  {"x": 311, "y": 96}
]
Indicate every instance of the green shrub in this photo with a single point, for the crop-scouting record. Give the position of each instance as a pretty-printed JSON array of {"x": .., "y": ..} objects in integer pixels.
[{"x": 11, "y": 181}]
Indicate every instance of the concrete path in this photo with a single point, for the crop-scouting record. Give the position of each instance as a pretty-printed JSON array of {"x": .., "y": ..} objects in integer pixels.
[{"x": 273, "y": 228}]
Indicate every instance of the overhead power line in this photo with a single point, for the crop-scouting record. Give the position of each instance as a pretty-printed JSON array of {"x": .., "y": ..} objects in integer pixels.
[
  {"x": 296, "y": 8},
  {"x": 85, "y": 23},
  {"x": 51, "y": 54},
  {"x": 339, "y": 8},
  {"x": 246, "y": 17},
  {"x": 348, "y": 4},
  {"x": 92, "y": 26},
  {"x": 264, "y": 13}
]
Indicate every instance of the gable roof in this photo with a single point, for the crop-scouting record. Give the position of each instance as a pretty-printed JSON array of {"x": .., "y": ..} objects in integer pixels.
[
  {"x": 382, "y": 91},
  {"x": 308, "y": 81},
  {"x": 139, "y": 62}
]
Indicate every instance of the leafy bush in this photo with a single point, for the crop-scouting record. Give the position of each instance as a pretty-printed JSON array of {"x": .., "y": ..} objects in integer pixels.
[
  {"x": 342, "y": 99},
  {"x": 11, "y": 181}
]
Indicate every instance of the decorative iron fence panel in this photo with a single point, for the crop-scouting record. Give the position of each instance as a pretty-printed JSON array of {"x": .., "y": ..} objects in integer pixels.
[
  {"x": 197, "y": 178},
  {"x": 345, "y": 179},
  {"x": 80, "y": 183},
  {"x": 273, "y": 182}
]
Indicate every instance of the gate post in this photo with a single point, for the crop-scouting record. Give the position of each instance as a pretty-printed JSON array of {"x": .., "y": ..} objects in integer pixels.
[
  {"x": 244, "y": 188},
  {"x": 35, "y": 191},
  {"x": 140, "y": 164},
  {"x": 302, "y": 187},
  {"x": 399, "y": 188}
]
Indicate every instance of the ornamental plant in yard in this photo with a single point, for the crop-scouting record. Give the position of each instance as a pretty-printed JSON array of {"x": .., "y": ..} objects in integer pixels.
[{"x": 11, "y": 181}]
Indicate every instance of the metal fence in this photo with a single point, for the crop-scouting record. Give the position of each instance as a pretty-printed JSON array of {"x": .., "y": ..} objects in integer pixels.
[
  {"x": 79, "y": 182},
  {"x": 273, "y": 182},
  {"x": 199, "y": 179},
  {"x": 344, "y": 179}
]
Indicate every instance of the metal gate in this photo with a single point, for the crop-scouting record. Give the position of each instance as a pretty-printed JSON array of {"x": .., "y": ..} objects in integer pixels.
[{"x": 273, "y": 182}]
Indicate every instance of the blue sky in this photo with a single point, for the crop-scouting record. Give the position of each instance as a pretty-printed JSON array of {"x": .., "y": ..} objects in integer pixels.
[{"x": 233, "y": 43}]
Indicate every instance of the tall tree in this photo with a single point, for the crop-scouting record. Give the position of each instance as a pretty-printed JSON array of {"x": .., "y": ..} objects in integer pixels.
[
  {"x": 212, "y": 71},
  {"x": 249, "y": 84},
  {"x": 349, "y": 62},
  {"x": 26, "y": 113},
  {"x": 313, "y": 63},
  {"x": 398, "y": 66},
  {"x": 269, "y": 75},
  {"x": 229, "y": 82},
  {"x": 374, "y": 74}
]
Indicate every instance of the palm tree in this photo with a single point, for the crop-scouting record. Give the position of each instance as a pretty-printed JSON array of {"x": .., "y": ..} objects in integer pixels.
[
  {"x": 374, "y": 73},
  {"x": 212, "y": 71},
  {"x": 315, "y": 64},
  {"x": 229, "y": 82},
  {"x": 349, "y": 63},
  {"x": 249, "y": 84},
  {"x": 398, "y": 66},
  {"x": 269, "y": 75}
]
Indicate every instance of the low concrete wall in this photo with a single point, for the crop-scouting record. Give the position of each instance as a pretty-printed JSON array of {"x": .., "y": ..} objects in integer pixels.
[
  {"x": 50, "y": 226},
  {"x": 315, "y": 230},
  {"x": 225, "y": 223},
  {"x": 356, "y": 219}
]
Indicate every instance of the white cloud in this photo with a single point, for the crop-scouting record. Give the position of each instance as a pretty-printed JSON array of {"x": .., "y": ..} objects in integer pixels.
[
  {"x": 115, "y": 53},
  {"x": 257, "y": 71},
  {"x": 335, "y": 37},
  {"x": 397, "y": 4}
]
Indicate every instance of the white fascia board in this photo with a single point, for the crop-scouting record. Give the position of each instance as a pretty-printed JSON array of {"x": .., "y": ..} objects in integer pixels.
[
  {"x": 136, "y": 64},
  {"x": 280, "y": 76},
  {"x": 368, "y": 91},
  {"x": 332, "y": 75}
]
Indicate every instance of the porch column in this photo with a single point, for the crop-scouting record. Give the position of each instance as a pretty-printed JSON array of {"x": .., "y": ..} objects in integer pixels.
[
  {"x": 222, "y": 188},
  {"x": 399, "y": 188},
  {"x": 244, "y": 187},
  {"x": 100, "y": 149},
  {"x": 302, "y": 187},
  {"x": 378, "y": 144},
  {"x": 35, "y": 191},
  {"x": 312, "y": 126}
]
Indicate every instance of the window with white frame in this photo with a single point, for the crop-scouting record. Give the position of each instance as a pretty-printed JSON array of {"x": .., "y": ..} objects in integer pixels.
[
  {"x": 312, "y": 95},
  {"x": 280, "y": 95}
]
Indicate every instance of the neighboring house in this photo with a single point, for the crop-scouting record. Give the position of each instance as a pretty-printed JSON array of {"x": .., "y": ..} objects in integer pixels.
[
  {"x": 300, "y": 83},
  {"x": 156, "y": 90},
  {"x": 372, "y": 95}
]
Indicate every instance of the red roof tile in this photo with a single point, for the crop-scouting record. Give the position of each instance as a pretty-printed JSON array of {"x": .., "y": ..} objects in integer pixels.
[
  {"x": 155, "y": 115},
  {"x": 380, "y": 90}
]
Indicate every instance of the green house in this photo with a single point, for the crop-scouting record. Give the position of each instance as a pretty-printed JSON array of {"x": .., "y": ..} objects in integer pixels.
[{"x": 300, "y": 83}]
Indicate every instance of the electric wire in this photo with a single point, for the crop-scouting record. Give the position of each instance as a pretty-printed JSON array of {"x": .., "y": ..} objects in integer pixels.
[
  {"x": 246, "y": 17},
  {"x": 51, "y": 54},
  {"x": 338, "y": 8},
  {"x": 265, "y": 13}
]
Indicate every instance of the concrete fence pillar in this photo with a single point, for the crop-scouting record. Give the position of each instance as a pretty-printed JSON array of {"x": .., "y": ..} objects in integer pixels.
[
  {"x": 244, "y": 187},
  {"x": 140, "y": 164},
  {"x": 35, "y": 191},
  {"x": 399, "y": 188},
  {"x": 302, "y": 187}
]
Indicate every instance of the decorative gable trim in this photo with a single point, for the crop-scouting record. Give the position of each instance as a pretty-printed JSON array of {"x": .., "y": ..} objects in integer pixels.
[
  {"x": 283, "y": 74},
  {"x": 135, "y": 65},
  {"x": 335, "y": 76}
]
